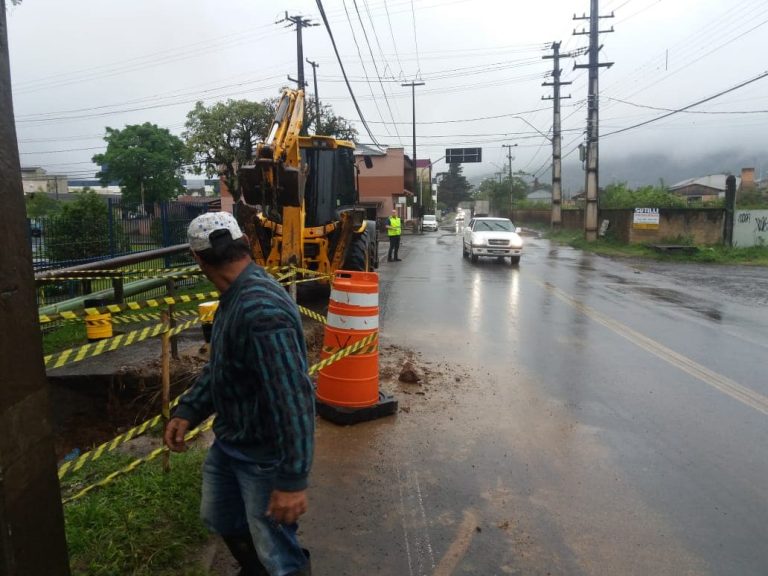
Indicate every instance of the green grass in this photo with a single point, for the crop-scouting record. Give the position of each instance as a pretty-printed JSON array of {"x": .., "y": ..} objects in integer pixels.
[
  {"x": 145, "y": 523},
  {"x": 754, "y": 256},
  {"x": 70, "y": 333}
]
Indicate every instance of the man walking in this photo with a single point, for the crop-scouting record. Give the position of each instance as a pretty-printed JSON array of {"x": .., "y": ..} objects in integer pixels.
[
  {"x": 394, "y": 229},
  {"x": 256, "y": 382}
]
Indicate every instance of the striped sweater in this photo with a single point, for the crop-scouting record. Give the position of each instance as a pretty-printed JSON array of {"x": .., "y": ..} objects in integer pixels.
[{"x": 256, "y": 380}]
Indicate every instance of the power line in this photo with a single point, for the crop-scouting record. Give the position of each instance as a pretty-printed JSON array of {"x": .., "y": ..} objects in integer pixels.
[
  {"x": 376, "y": 68},
  {"x": 688, "y": 111},
  {"x": 472, "y": 119},
  {"x": 343, "y": 71},
  {"x": 362, "y": 65},
  {"x": 416, "y": 42},
  {"x": 392, "y": 34},
  {"x": 697, "y": 103}
]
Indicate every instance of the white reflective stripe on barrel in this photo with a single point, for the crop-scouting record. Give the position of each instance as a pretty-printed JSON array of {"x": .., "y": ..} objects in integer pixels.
[
  {"x": 353, "y": 322},
  {"x": 355, "y": 298}
]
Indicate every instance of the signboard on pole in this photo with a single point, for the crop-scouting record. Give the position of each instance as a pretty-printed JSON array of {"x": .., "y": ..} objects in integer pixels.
[
  {"x": 463, "y": 155},
  {"x": 645, "y": 219}
]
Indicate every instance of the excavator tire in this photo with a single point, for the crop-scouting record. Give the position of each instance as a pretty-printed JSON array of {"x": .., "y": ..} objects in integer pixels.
[{"x": 362, "y": 252}]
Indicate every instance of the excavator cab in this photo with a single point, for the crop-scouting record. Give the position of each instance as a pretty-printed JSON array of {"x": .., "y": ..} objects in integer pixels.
[{"x": 299, "y": 199}]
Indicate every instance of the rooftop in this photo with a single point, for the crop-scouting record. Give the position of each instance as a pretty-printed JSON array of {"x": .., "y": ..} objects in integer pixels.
[{"x": 714, "y": 181}]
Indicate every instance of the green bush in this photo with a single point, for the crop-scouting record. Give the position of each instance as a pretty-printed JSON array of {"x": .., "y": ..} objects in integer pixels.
[{"x": 621, "y": 196}]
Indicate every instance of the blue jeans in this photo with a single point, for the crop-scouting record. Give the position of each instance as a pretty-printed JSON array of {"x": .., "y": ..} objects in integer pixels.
[{"x": 235, "y": 498}]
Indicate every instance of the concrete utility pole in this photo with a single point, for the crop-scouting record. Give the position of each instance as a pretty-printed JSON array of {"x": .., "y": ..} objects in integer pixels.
[
  {"x": 557, "y": 178},
  {"x": 592, "y": 160},
  {"x": 413, "y": 101},
  {"x": 32, "y": 539},
  {"x": 315, "y": 66},
  {"x": 300, "y": 23},
  {"x": 510, "y": 158}
]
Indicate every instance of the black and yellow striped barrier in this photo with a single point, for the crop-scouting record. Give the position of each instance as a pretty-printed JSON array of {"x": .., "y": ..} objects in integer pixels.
[
  {"x": 130, "y": 306},
  {"x": 80, "y": 353}
]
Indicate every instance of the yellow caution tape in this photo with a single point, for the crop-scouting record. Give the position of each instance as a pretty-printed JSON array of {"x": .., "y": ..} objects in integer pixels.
[
  {"x": 109, "y": 446},
  {"x": 312, "y": 314},
  {"x": 133, "y": 306},
  {"x": 367, "y": 344},
  {"x": 169, "y": 275},
  {"x": 344, "y": 352},
  {"x": 78, "y": 354},
  {"x": 136, "y": 463},
  {"x": 145, "y": 317},
  {"x": 109, "y": 273}
]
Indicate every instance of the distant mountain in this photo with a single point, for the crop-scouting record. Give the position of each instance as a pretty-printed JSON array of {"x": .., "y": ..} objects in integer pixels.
[{"x": 650, "y": 169}]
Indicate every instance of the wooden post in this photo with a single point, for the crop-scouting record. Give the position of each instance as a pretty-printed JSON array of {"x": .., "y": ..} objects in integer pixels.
[
  {"x": 32, "y": 541},
  {"x": 171, "y": 289},
  {"x": 166, "y": 385}
]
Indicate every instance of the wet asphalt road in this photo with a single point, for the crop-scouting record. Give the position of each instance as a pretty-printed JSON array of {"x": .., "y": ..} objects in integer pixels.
[{"x": 579, "y": 416}]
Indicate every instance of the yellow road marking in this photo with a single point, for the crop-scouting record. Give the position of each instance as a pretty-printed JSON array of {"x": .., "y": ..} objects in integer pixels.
[{"x": 722, "y": 383}]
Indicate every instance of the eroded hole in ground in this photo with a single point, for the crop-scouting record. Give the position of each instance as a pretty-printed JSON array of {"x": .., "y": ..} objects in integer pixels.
[{"x": 89, "y": 410}]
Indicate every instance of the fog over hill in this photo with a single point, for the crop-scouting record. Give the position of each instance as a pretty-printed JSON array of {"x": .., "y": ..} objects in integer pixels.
[{"x": 650, "y": 169}]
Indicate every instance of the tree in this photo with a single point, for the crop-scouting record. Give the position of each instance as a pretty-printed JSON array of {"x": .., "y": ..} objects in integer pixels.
[
  {"x": 221, "y": 137},
  {"x": 330, "y": 124},
  {"x": 40, "y": 204},
  {"x": 82, "y": 230},
  {"x": 146, "y": 160},
  {"x": 453, "y": 187}
]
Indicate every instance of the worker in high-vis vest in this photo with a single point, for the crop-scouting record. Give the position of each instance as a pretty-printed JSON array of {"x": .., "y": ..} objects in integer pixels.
[{"x": 394, "y": 229}]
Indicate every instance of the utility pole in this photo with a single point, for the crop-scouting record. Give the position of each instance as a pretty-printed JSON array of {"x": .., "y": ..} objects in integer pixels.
[
  {"x": 510, "y": 158},
  {"x": 557, "y": 179},
  {"x": 593, "y": 101},
  {"x": 32, "y": 541},
  {"x": 413, "y": 100},
  {"x": 300, "y": 23},
  {"x": 315, "y": 66}
]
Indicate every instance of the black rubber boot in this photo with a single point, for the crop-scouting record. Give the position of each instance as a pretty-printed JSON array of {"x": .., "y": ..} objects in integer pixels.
[
  {"x": 307, "y": 570},
  {"x": 242, "y": 548}
]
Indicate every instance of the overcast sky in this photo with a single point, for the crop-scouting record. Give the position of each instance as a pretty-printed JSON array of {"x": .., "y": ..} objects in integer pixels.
[{"x": 81, "y": 65}]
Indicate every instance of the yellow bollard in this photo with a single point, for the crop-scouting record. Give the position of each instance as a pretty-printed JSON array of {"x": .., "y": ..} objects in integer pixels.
[
  {"x": 206, "y": 311},
  {"x": 98, "y": 326}
]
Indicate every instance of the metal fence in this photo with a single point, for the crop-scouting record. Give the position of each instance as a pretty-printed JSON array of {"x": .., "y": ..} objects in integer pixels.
[
  {"x": 64, "y": 240},
  {"x": 67, "y": 239}
]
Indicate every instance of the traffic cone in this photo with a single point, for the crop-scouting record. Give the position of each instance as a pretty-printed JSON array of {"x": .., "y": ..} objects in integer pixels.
[{"x": 348, "y": 390}]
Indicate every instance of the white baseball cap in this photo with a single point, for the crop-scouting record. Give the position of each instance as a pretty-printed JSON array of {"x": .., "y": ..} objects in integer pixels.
[{"x": 199, "y": 231}]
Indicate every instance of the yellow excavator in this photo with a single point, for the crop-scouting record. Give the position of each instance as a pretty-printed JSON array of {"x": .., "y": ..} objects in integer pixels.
[{"x": 300, "y": 202}]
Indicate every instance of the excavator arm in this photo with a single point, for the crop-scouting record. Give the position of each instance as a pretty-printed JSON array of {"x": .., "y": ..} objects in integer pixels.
[{"x": 281, "y": 176}]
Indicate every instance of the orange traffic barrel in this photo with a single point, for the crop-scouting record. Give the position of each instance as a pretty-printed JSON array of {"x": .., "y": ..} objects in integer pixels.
[{"x": 353, "y": 314}]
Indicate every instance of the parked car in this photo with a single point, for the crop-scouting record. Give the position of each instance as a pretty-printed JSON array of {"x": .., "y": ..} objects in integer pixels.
[
  {"x": 460, "y": 215},
  {"x": 429, "y": 222},
  {"x": 492, "y": 237}
]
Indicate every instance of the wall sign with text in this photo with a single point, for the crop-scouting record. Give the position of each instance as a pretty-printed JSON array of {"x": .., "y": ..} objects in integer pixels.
[{"x": 645, "y": 219}]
